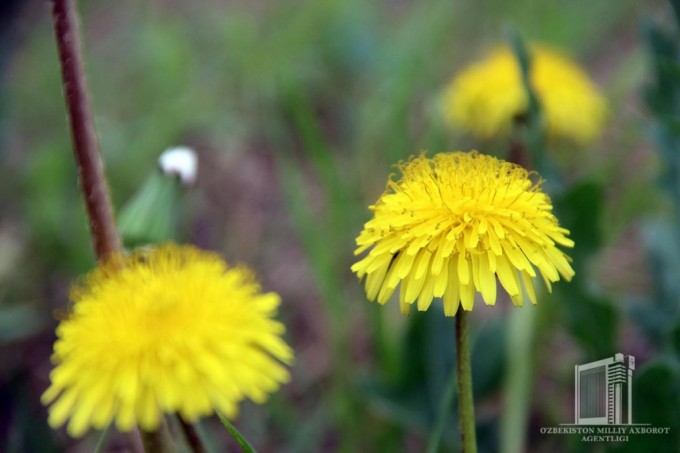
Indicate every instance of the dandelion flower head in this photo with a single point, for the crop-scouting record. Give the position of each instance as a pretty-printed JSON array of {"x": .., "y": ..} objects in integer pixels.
[
  {"x": 488, "y": 96},
  {"x": 171, "y": 330},
  {"x": 454, "y": 223}
]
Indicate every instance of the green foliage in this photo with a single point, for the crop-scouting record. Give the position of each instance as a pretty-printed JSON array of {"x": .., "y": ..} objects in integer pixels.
[
  {"x": 660, "y": 313},
  {"x": 586, "y": 197},
  {"x": 327, "y": 95},
  {"x": 534, "y": 133},
  {"x": 591, "y": 317},
  {"x": 242, "y": 442},
  {"x": 150, "y": 217},
  {"x": 656, "y": 396}
]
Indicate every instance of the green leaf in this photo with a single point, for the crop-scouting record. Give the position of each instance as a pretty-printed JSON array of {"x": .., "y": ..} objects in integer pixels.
[
  {"x": 580, "y": 211},
  {"x": 243, "y": 443},
  {"x": 675, "y": 339},
  {"x": 442, "y": 415},
  {"x": 675, "y": 4},
  {"x": 658, "y": 315},
  {"x": 103, "y": 437},
  {"x": 151, "y": 215},
  {"x": 488, "y": 356},
  {"x": 413, "y": 397},
  {"x": 662, "y": 95},
  {"x": 591, "y": 319}
]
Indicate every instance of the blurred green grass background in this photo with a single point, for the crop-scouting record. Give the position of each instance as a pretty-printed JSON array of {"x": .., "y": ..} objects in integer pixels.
[{"x": 298, "y": 109}]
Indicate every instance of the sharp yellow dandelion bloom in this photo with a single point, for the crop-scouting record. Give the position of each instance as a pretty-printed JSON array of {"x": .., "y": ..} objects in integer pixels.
[
  {"x": 488, "y": 96},
  {"x": 174, "y": 329},
  {"x": 454, "y": 223}
]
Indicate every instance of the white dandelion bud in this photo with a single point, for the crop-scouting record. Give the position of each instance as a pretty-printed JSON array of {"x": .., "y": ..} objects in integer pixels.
[{"x": 180, "y": 161}]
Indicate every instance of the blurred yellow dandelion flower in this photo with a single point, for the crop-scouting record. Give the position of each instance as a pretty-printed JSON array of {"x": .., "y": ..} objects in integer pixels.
[
  {"x": 454, "y": 223},
  {"x": 171, "y": 330},
  {"x": 486, "y": 97}
]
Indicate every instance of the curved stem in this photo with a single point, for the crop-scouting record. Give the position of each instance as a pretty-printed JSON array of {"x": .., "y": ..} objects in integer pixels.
[
  {"x": 105, "y": 238},
  {"x": 465, "y": 396}
]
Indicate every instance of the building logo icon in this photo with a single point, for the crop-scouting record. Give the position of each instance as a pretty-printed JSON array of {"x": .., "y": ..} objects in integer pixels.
[
  {"x": 603, "y": 392},
  {"x": 603, "y": 404}
]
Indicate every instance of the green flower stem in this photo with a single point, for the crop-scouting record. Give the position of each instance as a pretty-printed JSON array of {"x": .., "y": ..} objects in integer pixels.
[
  {"x": 517, "y": 386},
  {"x": 105, "y": 238},
  {"x": 103, "y": 437},
  {"x": 158, "y": 441},
  {"x": 192, "y": 436},
  {"x": 465, "y": 396}
]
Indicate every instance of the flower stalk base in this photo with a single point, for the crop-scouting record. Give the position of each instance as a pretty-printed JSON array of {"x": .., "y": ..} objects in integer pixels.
[{"x": 465, "y": 396}]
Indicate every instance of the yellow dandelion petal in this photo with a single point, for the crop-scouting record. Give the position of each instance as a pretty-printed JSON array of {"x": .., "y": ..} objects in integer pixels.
[
  {"x": 528, "y": 283},
  {"x": 473, "y": 221},
  {"x": 172, "y": 330},
  {"x": 426, "y": 293},
  {"x": 451, "y": 295},
  {"x": 487, "y": 97},
  {"x": 441, "y": 280}
]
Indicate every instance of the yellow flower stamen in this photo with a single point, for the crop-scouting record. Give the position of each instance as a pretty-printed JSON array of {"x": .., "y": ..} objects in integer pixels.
[
  {"x": 172, "y": 329},
  {"x": 452, "y": 225}
]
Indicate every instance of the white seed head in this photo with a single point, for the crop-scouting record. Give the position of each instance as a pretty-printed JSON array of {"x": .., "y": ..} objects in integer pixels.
[{"x": 180, "y": 161}]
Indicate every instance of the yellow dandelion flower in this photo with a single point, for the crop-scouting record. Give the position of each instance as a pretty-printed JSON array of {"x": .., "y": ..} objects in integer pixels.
[
  {"x": 454, "y": 223},
  {"x": 486, "y": 97},
  {"x": 172, "y": 330}
]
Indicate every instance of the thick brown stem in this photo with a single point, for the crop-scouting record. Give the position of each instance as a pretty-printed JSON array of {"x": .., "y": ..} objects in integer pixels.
[
  {"x": 85, "y": 144},
  {"x": 518, "y": 153}
]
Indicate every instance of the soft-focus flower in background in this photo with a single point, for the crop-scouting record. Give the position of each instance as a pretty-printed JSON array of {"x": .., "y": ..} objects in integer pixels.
[
  {"x": 172, "y": 329},
  {"x": 488, "y": 96},
  {"x": 452, "y": 224}
]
